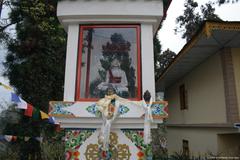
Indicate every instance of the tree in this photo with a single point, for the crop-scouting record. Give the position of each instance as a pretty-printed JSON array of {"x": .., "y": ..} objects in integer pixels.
[
  {"x": 220, "y": 2},
  {"x": 35, "y": 61},
  {"x": 191, "y": 20},
  {"x": 161, "y": 59},
  {"x": 165, "y": 60},
  {"x": 157, "y": 52}
]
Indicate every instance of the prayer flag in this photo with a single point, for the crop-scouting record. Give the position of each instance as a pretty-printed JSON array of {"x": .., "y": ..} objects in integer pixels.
[
  {"x": 8, "y": 138},
  {"x": 36, "y": 114},
  {"x": 40, "y": 139},
  {"x": 15, "y": 98},
  {"x": 44, "y": 115},
  {"x": 26, "y": 139},
  {"x": 22, "y": 105},
  {"x": 2, "y": 137},
  {"x": 14, "y": 138},
  {"x": 29, "y": 111},
  {"x": 51, "y": 120},
  {"x": 11, "y": 138}
]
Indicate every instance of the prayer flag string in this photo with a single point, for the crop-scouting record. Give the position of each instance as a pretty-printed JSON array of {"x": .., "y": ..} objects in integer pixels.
[{"x": 7, "y": 94}]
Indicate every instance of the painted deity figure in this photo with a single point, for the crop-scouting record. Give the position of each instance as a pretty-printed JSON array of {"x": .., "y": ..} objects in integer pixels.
[{"x": 116, "y": 77}]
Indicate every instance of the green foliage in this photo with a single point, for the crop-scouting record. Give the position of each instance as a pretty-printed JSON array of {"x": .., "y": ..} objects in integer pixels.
[
  {"x": 11, "y": 152},
  {"x": 35, "y": 63},
  {"x": 53, "y": 146},
  {"x": 220, "y": 2},
  {"x": 157, "y": 52},
  {"x": 179, "y": 156},
  {"x": 164, "y": 60},
  {"x": 36, "y": 54},
  {"x": 191, "y": 20},
  {"x": 53, "y": 150}
]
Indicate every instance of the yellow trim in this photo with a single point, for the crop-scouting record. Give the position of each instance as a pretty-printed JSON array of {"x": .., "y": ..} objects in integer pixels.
[
  {"x": 224, "y": 26},
  {"x": 210, "y": 26},
  {"x": 206, "y": 30},
  {"x": 62, "y": 116},
  {"x": 159, "y": 117},
  {"x": 165, "y": 103},
  {"x": 185, "y": 49}
]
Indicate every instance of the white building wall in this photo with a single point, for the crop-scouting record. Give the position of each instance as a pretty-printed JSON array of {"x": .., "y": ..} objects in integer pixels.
[
  {"x": 205, "y": 95},
  {"x": 110, "y": 12},
  {"x": 71, "y": 63},
  {"x": 148, "y": 78},
  {"x": 202, "y": 140},
  {"x": 110, "y": 7}
]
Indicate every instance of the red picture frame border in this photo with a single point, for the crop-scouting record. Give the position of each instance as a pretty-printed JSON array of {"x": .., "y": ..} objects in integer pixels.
[{"x": 79, "y": 59}]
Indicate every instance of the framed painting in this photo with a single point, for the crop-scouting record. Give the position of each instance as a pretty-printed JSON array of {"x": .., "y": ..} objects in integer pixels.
[{"x": 108, "y": 57}]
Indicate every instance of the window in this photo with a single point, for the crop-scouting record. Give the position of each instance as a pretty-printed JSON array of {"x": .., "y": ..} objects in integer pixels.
[
  {"x": 183, "y": 97},
  {"x": 109, "y": 56},
  {"x": 185, "y": 148}
]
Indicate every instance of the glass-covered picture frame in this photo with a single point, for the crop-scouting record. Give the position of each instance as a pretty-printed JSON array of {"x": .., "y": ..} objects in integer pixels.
[{"x": 108, "y": 56}]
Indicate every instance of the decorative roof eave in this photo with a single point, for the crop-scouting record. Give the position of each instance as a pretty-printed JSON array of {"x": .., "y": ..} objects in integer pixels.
[{"x": 205, "y": 30}]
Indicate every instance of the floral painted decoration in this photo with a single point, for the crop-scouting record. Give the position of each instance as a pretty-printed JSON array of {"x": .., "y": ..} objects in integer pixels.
[
  {"x": 136, "y": 136},
  {"x": 94, "y": 110},
  {"x": 73, "y": 141},
  {"x": 57, "y": 108}
]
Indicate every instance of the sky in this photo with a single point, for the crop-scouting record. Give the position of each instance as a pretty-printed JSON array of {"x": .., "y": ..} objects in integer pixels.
[
  {"x": 228, "y": 12},
  {"x": 3, "y": 51}
]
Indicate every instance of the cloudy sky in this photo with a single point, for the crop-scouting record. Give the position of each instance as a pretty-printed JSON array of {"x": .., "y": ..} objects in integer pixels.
[
  {"x": 227, "y": 12},
  {"x": 2, "y": 50},
  {"x": 167, "y": 37}
]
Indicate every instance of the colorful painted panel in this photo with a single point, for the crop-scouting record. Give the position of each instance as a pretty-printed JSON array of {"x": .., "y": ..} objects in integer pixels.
[
  {"x": 116, "y": 151},
  {"x": 88, "y": 109},
  {"x": 58, "y": 108},
  {"x": 73, "y": 141},
  {"x": 159, "y": 109},
  {"x": 94, "y": 110},
  {"x": 124, "y": 145},
  {"x": 136, "y": 136}
]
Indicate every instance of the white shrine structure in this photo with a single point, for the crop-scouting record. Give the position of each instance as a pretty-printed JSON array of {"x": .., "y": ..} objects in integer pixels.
[{"x": 109, "y": 45}]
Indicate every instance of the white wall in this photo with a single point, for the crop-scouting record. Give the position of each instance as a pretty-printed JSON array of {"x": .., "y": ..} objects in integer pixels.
[
  {"x": 71, "y": 63},
  {"x": 110, "y": 7},
  {"x": 110, "y": 12},
  {"x": 200, "y": 140},
  {"x": 236, "y": 65},
  {"x": 148, "y": 78},
  {"x": 205, "y": 94}
]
